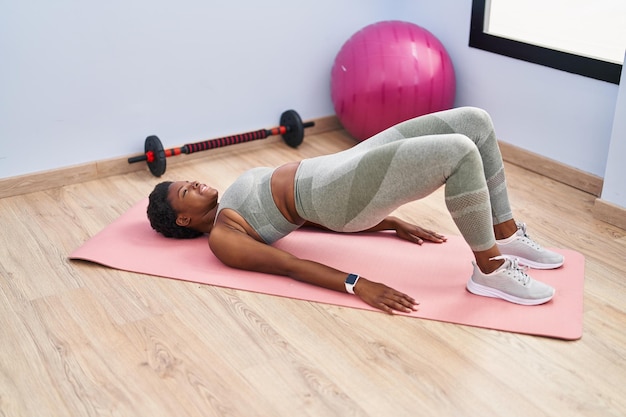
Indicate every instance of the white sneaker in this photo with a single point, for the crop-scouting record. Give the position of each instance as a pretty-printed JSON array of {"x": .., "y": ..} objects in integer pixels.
[
  {"x": 529, "y": 252},
  {"x": 510, "y": 283}
]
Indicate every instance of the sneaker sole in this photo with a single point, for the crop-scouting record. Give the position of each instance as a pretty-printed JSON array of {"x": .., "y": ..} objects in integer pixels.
[
  {"x": 485, "y": 291},
  {"x": 533, "y": 264}
]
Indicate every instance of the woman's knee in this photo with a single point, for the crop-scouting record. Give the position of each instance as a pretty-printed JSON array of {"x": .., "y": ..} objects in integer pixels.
[
  {"x": 478, "y": 116},
  {"x": 460, "y": 144},
  {"x": 455, "y": 149}
]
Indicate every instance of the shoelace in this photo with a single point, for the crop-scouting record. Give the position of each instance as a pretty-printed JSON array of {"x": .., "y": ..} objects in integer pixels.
[
  {"x": 522, "y": 226},
  {"x": 518, "y": 271}
]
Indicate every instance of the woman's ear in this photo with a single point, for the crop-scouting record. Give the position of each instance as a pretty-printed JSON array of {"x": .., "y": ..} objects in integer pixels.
[{"x": 183, "y": 220}]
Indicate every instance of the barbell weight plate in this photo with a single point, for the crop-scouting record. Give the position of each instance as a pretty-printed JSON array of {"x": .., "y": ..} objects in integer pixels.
[
  {"x": 154, "y": 145},
  {"x": 295, "y": 129}
]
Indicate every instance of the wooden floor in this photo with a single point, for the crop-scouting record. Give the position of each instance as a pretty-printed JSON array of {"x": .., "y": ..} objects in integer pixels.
[{"x": 78, "y": 339}]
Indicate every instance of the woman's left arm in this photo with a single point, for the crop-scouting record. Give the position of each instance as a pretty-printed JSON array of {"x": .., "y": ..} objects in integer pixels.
[{"x": 404, "y": 230}]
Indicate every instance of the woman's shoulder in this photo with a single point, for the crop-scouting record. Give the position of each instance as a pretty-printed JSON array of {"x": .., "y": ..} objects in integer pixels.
[{"x": 229, "y": 219}]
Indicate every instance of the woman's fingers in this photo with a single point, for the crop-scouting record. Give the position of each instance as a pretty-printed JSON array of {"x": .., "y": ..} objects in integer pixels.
[
  {"x": 385, "y": 298},
  {"x": 416, "y": 234},
  {"x": 399, "y": 302},
  {"x": 433, "y": 236}
]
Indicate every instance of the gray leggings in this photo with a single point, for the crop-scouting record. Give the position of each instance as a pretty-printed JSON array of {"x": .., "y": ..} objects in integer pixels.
[{"x": 355, "y": 189}]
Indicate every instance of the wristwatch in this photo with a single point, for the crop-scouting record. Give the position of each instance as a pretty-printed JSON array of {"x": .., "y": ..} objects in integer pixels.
[{"x": 351, "y": 281}]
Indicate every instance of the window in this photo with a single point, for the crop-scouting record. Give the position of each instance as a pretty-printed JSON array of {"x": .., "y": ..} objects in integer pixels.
[{"x": 578, "y": 36}]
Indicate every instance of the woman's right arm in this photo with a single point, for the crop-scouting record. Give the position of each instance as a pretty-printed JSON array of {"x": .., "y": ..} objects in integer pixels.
[{"x": 238, "y": 250}]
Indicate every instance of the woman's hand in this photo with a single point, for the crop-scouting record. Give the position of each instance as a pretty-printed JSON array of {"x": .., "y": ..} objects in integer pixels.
[
  {"x": 416, "y": 234},
  {"x": 383, "y": 297}
]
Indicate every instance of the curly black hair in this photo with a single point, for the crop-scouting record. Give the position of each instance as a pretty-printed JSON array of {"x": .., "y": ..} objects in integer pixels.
[{"x": 163, "y": 217}]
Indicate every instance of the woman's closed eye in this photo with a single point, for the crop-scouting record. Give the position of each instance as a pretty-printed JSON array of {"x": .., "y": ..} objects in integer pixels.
[
  {"x": 186, "y": 188},
  {"x": 182, "y": 191}
]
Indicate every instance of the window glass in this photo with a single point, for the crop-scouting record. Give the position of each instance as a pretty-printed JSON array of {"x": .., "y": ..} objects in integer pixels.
[
  {"x": 579, "y": 36},
  {"x": 596, "y": 29}
]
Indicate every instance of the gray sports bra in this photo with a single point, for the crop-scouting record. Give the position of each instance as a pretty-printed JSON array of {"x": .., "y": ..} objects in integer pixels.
[{"x": 251, "y": 197}]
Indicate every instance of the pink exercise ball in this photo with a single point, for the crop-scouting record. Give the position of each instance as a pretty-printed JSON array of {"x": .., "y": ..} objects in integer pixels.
[{"x": 389, "y": 72}]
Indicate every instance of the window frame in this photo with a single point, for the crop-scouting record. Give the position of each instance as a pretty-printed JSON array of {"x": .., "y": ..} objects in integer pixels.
[{"x": 564, "y": 61}]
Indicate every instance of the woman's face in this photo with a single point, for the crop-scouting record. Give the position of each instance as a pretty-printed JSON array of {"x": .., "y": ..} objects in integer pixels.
[{"x": 195, "y": 203}]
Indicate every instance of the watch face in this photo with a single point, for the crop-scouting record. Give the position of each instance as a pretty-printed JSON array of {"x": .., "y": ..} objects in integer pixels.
[{"x": 351, "y": 279}]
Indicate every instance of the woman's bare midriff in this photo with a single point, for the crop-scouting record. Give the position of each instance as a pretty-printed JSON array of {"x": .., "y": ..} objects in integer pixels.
[{"x": 282, "y": 185}]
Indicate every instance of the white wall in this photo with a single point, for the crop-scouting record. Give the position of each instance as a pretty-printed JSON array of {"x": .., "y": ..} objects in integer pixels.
[{"x": 82, "y": 82}]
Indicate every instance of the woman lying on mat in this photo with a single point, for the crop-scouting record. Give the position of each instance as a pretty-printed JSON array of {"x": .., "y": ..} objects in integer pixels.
[{"x": 355, "y": 190}]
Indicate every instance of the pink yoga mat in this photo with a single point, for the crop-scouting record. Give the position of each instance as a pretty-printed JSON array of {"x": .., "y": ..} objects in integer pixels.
[{"x": 434, "y": 274}]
